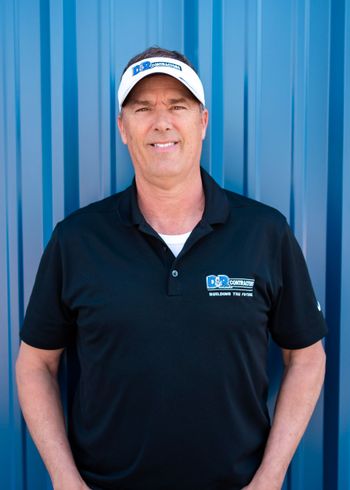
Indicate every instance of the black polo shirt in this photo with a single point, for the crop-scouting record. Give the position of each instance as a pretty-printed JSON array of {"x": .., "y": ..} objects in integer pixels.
[{"x": 173, "y": 385}]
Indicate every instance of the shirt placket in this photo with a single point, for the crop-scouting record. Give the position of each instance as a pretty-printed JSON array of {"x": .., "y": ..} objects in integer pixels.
[{"x": 174, "y": 265}]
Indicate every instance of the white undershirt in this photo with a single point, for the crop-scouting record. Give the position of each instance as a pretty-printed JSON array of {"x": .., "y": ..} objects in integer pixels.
[{"x": 175, "y": 242}]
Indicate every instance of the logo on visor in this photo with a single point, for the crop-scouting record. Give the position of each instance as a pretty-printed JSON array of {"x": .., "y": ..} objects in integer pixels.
[
  {"x": 223, "y": 285},
  {"x": 148, "y": 65}
]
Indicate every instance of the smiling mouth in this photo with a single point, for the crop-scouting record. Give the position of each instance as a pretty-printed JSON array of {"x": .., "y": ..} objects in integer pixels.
[{"x": 164, "y": 145}]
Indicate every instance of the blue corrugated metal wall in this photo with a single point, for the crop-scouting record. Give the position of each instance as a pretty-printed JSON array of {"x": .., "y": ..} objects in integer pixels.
[{"x": 277, "y": 79}]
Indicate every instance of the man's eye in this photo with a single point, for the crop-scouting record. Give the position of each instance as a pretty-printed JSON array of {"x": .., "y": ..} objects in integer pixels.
[
  {"x": 142, "y": 109},
  {"x": 178, "y": 107}
]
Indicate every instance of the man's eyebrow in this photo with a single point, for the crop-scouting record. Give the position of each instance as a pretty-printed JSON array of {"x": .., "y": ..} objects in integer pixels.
[
  {"x": 172, "y": 101},
  {"x": 139, "y": 102},
  {"x": 181, "y": 100}
]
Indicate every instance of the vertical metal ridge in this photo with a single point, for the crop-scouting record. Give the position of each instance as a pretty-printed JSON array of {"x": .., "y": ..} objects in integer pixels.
[
  {"x": 6, "y": 360},
  {"x": 245, "y": 103},
  {"x": 293, "y": 55},
  {"x": 45, "y": 61},
  {"x": 20, "y": 283},
  {"x": 4, "y": 84},
  {"x": 306, "y": 83},
  {"x": 191, "y": 31},
  {"x": 112, "y": 89},
  {"x": 5, "y": 167},
  {"x": 57, "y": 109},
  {"x": 159, "y": 19},
  {"x": 99, "y": 99},
  {"x": 258, "y": 90},
  {"x": 70, "y": 108},
  {"x": 217, "y": 126},
  {"x": 334, "y": 245},
  {"x": 18, "y": 161},
  {"x": 24, "y": 453}
]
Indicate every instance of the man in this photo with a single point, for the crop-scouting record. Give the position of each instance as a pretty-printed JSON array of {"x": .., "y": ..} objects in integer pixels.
[{"x": 169, "y": 291}]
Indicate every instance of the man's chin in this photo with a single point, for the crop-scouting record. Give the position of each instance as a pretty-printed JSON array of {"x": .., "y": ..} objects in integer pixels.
[{"x": 167, "y": 170}]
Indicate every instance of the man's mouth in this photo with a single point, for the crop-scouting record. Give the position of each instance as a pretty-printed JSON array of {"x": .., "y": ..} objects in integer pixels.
[{"x": 164, "y": 145}]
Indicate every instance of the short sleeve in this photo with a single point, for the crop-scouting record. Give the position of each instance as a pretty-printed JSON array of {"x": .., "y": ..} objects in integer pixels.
[
  {"x": 48, "y": 322},
  {"x": 296, "y": 319}
]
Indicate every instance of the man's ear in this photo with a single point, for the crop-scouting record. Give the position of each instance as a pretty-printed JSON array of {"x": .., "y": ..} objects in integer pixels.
[
  {"x": 205, "y": 118},
  {"x": 122, "y": 129}
]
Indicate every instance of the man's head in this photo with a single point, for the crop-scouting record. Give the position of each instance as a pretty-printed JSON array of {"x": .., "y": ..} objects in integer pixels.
[
  {"x": 159, "y": 60},
  {"x": 162, "y": 120}
]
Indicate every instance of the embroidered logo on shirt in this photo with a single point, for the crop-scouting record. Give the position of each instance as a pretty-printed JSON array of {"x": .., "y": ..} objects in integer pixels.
[{"x": 222, "y": 285}]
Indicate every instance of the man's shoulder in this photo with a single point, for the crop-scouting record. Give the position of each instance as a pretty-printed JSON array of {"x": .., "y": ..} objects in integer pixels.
[
  {"x": 249, "y": 208},
  {"x": 93, "y": 213}
]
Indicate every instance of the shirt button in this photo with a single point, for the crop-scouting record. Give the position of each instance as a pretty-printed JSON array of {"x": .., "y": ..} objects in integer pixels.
[{"x": 174, "y": 273}]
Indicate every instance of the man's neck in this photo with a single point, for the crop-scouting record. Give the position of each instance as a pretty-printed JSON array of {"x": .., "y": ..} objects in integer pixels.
[{"x": 172, "y": 209}]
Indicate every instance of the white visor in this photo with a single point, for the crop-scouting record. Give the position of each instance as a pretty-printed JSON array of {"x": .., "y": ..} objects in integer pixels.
[{"x": 168, "y": 66}]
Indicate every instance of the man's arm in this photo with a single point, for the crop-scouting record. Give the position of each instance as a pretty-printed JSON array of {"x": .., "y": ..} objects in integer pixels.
[
  {"x": 39, "y": 396},
  {"x": 300, "y": 389}
]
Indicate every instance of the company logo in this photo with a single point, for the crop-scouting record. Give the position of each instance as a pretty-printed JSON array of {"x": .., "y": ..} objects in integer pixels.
[
  {"x": 223, "y": 285},
  {"x": 147, "y": 65}
]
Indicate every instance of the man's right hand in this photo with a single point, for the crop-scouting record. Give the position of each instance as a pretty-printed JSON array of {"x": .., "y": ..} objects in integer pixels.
[{"x": 39, "y": 396}]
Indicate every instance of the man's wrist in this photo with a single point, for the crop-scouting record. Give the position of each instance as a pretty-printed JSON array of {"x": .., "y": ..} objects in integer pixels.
[
  {"x": 269, "y": 477},
  {"x": 69, "y": 482},
  {"x": 77, "y": 485}
]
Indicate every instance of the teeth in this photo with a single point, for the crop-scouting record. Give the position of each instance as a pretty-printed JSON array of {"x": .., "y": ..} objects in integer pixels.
[{"x": 163, "y": 145}]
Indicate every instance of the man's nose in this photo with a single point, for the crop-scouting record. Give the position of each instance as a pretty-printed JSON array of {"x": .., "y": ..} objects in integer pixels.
[{"x": 162, "y": 120}]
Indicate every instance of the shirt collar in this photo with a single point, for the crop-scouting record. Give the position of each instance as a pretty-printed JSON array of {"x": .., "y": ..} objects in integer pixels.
[{"x": 216, "y": 203}]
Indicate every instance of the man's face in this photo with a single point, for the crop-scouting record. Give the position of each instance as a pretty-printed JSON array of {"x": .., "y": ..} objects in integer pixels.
[{"x": 163, "y": 126}]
